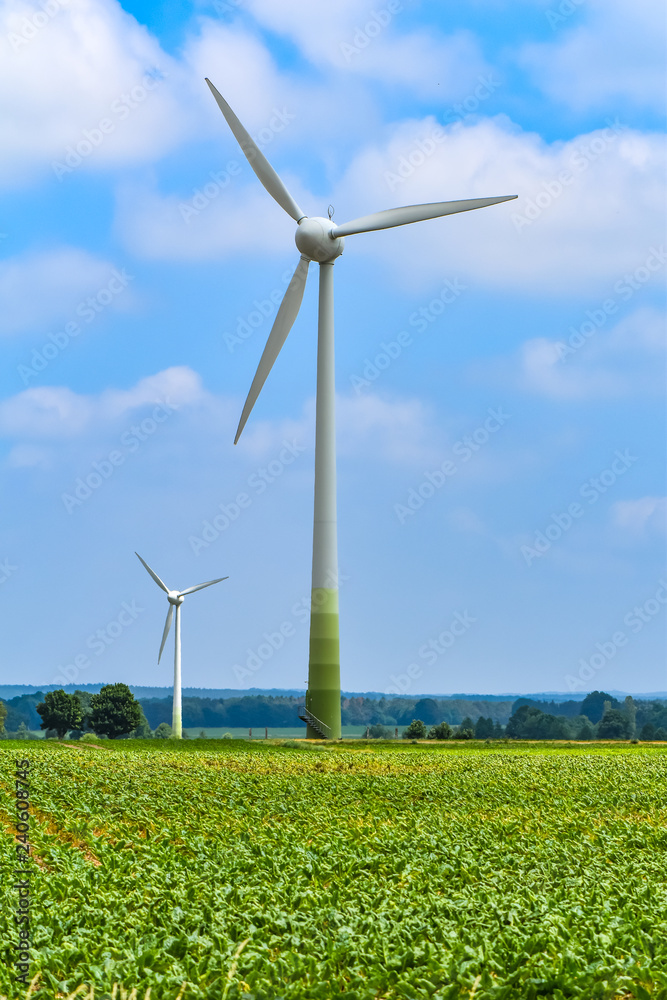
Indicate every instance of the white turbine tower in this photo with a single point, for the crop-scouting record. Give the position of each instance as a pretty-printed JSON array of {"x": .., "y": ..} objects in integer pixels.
[
  {"x": 319, "y": 240},
  {"x": 175, "y": 598}
]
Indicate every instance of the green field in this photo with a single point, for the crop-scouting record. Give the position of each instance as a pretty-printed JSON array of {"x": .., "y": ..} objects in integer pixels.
[
  {"x": 245, "y": 869},
  {"x": 291, "y": 732},
  {"x": 241, "y": 732}
]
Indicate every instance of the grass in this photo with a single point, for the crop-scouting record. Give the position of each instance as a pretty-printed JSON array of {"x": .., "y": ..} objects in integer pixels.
[
  {"x": 344, "y": 872},
  {"x": 275, "y": 732},
  {"x": 241, "y": 732}
]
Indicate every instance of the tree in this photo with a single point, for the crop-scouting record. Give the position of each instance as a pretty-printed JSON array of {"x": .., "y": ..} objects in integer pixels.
[
  {"x": 630, "y": 710},
  {"x": 143, "y": 730},
  {"x": 529, "y": 723},
  {"x": 84, "y": 700},
  {"x": 60, "y": 711},
  {"x": 614, "y": 725},
  {"x": 661, "y": 734},
  {"x": 648, "y": 732},
  {"x": 22, "y": 732},
  {"x": 3, "y": 716},
  {"x": 442, "y": 731},
  {"x": 415, "y": 731},
  {"x": 467, "y": 723},
  {"x": 593, "y": 705},
  {"x": 484, "y": 728},
  {"x": 163, "y": 731},
  {"x": 114, "y": 711},
  {"x": 378, "y": 732},
  {"x": 586, "y": 731},
  {"x": 464, "y": 734},
  {"x": 428, "y": 710}
]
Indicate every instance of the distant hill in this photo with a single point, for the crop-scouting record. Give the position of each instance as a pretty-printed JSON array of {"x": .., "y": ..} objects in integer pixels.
[{"x": 141, "y": 691}]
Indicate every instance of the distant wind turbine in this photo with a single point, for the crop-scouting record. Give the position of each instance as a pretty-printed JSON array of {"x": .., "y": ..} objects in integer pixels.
[
  {"x": 319, "y": 240},
  {"x": 175, "y": 598}
]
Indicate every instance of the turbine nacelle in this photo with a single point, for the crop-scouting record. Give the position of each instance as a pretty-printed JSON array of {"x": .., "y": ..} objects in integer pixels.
[
  {"x": 316, "y": 241},
  {"x": 175, "y": 598}
]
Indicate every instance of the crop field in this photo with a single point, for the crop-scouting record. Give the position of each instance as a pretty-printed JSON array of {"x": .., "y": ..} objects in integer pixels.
[
  {"x": 241, "y": 732},
  {"x": 221, "y": 870},
  {"x": 275, "y": 732}
]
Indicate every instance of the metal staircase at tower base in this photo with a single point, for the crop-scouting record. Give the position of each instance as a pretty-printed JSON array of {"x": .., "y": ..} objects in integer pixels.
[{"x": 314, "y": 723}]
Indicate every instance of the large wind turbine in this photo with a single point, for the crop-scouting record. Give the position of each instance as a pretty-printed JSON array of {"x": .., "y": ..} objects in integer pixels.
[
  {"x": 319, "y": 240},
  {"x": 175, "y": 598}
]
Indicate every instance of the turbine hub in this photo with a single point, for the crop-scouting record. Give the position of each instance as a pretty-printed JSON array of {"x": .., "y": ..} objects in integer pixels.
[
  {"x": 175, "y": 598},
  {"x": 314, "y": 240}
]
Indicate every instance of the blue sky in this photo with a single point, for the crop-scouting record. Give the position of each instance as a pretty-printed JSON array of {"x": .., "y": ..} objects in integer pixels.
[{"x": 500, "y": 373}]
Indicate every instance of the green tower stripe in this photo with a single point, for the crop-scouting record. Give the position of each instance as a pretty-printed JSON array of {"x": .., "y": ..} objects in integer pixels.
[
  {"x": 323, "y": 697},
  {"x": 324, "y": 601},
  {"x": 324, "y": 626}
]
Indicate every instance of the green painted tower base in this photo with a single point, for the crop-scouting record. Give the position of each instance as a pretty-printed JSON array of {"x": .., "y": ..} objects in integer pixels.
[{"x": 323, "y": 696}]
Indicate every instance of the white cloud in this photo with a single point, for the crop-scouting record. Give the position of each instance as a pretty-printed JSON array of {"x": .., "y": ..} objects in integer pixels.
[
  {"x": 578, "y": 233},
  {"x": 369, "y": 39},
  {"x": 616, "y": 56},
  {"x": 83, "y": 63},
  {"x": 542, "y": 370},
  {"x": 598, "y": 363},
  {"x": 640, "y": 516},
  {"x": 588, "y": 210},
  {"x": 38, "y": 289},
  {"x": 231, "y": 220},
  {"x": 48, "y": 413},
  {"x": 397, "y": 432}
]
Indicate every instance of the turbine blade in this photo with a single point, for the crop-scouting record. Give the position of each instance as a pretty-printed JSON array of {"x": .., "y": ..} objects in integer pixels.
[
  {"x": 413, "y": 213},
  {"x": 257, "y": 160},
  {"x": 167, "y": 626},
  {"x": 154, "y": 575},
  {"x": 289, "y": 309},
  {"x": 200, "y": 586}
]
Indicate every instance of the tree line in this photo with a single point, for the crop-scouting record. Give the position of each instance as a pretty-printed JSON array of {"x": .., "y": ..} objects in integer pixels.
[
  {"x": 600, "y": 716},
  {"x": 281, "y": 711},
  {"x": 115, "y": 712}
]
